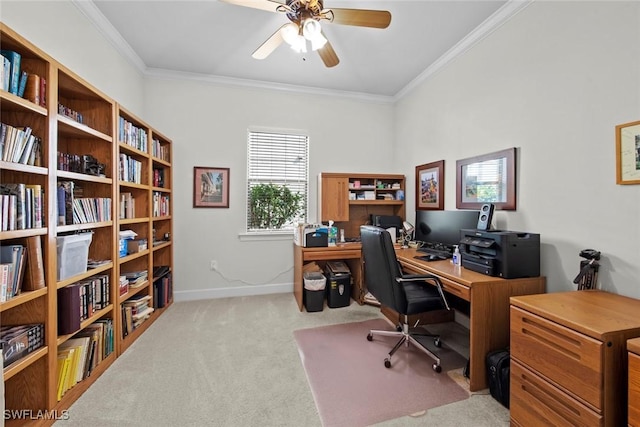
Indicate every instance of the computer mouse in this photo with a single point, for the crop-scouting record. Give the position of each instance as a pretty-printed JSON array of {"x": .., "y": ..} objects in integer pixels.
[{"x": 434, "y": 258}]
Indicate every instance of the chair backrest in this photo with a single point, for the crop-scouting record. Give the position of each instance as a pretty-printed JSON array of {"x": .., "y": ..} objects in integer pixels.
[{"x": 381, "y": 268}]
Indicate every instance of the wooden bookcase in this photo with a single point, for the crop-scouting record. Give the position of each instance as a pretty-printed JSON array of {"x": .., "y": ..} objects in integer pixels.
[
  {"x": 350, "y": 199},
  {"x": 91, "y": 138}
]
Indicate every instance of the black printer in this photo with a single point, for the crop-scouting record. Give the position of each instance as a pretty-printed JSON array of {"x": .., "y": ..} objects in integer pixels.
[{"x": 507, "y": 254}]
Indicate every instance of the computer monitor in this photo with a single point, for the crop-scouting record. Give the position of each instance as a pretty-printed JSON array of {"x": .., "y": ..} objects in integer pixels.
[{"x": 443, "y": 227}]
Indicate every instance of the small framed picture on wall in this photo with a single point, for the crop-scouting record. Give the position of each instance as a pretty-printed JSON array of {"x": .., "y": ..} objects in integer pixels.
[
  {"x": 210, "y": 187},
  {"x": 430, "y": 186}
]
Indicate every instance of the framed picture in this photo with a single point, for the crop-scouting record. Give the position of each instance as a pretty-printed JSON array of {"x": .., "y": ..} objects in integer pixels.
[
  {"x": 430, "y": 186},
  {"x": 210, "y": 187},
  {"x": 628, "y": 153},
  {"x": 490, "y": 178}
]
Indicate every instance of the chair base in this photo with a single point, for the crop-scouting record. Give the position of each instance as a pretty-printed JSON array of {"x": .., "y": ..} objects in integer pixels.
[{"x": 407, "y": 339}]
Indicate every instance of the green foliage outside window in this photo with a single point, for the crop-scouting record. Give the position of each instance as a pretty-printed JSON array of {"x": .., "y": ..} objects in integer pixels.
[{"x": 273, "y": 206}]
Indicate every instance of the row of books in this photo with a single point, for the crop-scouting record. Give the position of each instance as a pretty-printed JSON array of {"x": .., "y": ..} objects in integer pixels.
[
  {"x": 130, "y": 134},
  {"x": 127, "y": 205},
  {"x": 20, "y": 82},
  {"x": 21, "y": 206},
  {"x": 18, "y": 144},
  {"x": 21, "y": 267},
  {"x": 72, "y": 114},
  {"x": 160, "y": 151},
  {"x": 162, "y": 290},
  {"x": 79, "y": 355},
  {"x": 19, "y": 340},
  {"x": 80, "y": 300},
  {"x": 135, "y": 311},
  {"x": 75, "y": 209},
  {"x": 160, "y": 204},
  {"x": 130, "y": 169},
  {"x": 158, "y": 177}
]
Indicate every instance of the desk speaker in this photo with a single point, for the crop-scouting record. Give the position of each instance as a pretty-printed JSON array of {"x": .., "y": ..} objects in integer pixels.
[{"x": 485, "y": 217}]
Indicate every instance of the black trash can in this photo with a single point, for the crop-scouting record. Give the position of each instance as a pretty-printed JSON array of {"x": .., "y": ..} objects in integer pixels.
[{"x": 314, "y": 291}]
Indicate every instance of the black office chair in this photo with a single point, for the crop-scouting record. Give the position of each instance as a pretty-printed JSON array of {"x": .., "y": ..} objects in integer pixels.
[{"x": 407, "y": 294}]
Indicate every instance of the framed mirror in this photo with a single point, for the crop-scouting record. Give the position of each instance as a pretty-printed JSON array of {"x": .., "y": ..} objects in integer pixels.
[{"x": 490, "y": 178}]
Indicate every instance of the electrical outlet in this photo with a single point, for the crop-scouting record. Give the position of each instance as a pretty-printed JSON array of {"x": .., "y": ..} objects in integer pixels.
[{"x": 214, "y": 265}]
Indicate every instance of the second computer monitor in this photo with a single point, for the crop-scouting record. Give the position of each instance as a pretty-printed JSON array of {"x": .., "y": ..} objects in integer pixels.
[{"x": 443, "y": 227}]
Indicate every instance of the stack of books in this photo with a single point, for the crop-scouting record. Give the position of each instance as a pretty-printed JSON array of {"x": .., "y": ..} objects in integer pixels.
[
  {"x": 137, "y": 279},
  {"x": 135, "y": 311}
]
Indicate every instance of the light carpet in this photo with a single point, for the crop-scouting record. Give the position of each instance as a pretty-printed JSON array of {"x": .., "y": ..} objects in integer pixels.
[{"x": 352, "y": 387}]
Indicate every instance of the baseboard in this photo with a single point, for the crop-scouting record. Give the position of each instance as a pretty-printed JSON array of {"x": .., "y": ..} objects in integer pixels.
[{"x": 236, "y": 291}]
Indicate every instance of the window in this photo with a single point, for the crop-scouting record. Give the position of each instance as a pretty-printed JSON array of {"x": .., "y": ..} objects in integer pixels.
[{"x": 277, "y": 180}]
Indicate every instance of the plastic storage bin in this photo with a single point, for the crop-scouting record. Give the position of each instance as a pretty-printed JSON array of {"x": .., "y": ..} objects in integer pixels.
[
  {"x": 314, "y": 290},
  {"x": 73, "y": 253}
]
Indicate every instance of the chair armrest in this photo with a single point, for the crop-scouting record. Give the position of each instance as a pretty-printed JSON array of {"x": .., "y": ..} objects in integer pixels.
[{"x": 425, "y": 278}]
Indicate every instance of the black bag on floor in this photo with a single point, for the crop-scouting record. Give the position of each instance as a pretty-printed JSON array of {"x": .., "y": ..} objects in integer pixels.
[{"x": 498, "y": 362}]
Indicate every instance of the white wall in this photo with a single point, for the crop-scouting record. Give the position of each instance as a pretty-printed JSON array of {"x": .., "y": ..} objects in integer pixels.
[
  {"x": 60, "y": 30},
  {"x": 208, "y": 124},
  {"x": 553, "y": 82}
]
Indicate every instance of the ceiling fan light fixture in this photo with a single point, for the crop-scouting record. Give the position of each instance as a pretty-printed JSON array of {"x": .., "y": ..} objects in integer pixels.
[
  {"x": 291, "y": 35},
  {"x": 312, "y": 31}
]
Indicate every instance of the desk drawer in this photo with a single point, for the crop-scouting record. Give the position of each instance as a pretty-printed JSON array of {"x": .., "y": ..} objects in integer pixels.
[
  {"x": 634, "y": 389},
  {"x": 567, "y": 358},
  {"x": 534, "y": 401},
  {"x": 456, "y": 289},
  {"x": 331, "y": 254}
]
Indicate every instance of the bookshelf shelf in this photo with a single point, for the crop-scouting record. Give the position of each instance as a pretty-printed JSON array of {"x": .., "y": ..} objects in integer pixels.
[
  {"x": 77, "y": 129},
  {"x": 22, "y": 298},
  {"x": 24, "y": 362}
]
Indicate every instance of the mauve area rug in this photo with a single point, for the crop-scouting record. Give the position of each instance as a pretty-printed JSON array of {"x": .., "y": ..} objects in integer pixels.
[{"x": 351, "y": 386}]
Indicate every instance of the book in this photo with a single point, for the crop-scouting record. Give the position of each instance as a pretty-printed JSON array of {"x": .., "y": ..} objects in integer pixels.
[
  {"x": 22, "y": 83},
  {"x": 34, "y": 273},
  {"x": 32, "y": 89},
  {"x": 5, "y": 73},
  {"x": 5, "y": 269},
  {"x": 19, "y": 191},
  {"x": 81, "y": 346},
  {"x": 62, "y": 205},
  {"x": 69, "y": 309},
  {"x": 13, "y": 254},
  {"x": 15, "y": 59}
]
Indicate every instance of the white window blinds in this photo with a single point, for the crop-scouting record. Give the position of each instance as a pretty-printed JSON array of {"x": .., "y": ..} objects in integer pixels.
[{"x": 280, "y": 159}]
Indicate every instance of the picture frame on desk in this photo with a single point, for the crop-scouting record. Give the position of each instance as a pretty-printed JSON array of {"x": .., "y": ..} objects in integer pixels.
[
  {"x": 430, "y": 186},
  {"x": 488, "y": 178},
  {"x": 210, "y": 187},
  {"x": 628, "y": 153}
]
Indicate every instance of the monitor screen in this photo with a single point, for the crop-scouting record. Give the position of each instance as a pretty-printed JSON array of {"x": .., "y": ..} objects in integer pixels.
[{"x": 443, "y": 227}]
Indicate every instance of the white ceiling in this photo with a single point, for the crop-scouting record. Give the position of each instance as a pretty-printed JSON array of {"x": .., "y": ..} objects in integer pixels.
[{"x": 212, "y": 39}]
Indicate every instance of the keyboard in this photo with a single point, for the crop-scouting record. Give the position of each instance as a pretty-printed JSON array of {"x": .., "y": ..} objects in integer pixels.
[{"x": 441, "y": 251}]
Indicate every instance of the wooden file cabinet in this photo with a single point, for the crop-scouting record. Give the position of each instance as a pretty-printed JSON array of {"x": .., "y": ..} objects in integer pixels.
[
  {"x": 569, "y": 358},
  {"x": 633, "y": 346}
]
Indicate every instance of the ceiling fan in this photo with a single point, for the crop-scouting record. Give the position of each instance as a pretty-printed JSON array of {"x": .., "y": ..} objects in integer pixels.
[{"x": 305, "y": 17}]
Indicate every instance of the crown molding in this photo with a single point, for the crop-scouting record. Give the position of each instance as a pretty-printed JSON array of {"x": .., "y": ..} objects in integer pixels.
[{"x": 492, "y": 23}]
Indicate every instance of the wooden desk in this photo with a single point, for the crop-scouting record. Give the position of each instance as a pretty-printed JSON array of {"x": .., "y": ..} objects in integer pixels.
[
  {"x": 488, "y": 299},
  {"x": 350, "y": 253},
  {"x": 633, "y": 396}
]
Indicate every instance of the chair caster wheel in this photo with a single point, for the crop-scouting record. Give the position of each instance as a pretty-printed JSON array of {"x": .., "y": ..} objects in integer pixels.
[
  {"x": 387, "y": 363},
  {"x": 437, "y": 342},
  {"x": 437, "y": 368},
  {"x": 369, "y": 337}
]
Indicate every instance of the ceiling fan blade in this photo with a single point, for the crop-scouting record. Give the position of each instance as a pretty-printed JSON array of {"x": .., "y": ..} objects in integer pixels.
[
  {"x": 268, "y": 5},
  {"x": 269, "y": 45},
  {"x": 328, "y": 55},
  {"x": 359, "y": 17}
]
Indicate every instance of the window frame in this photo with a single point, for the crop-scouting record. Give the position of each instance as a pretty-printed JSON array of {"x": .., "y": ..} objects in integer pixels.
[{"x": 297, "y": 179}]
